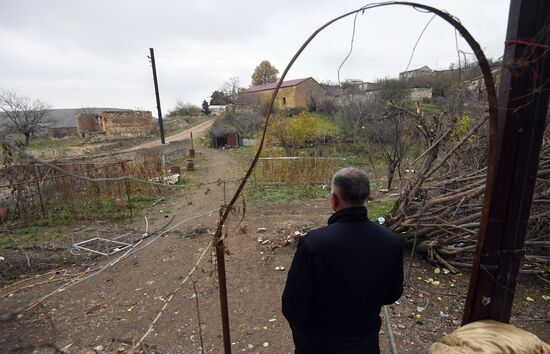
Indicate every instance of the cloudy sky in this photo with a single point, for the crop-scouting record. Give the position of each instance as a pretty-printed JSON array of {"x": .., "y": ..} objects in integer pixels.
[{"x": 82, "y": 53}]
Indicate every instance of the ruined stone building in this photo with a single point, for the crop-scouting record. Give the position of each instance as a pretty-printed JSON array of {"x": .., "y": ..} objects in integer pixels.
[{"x": 115, "y": 123}]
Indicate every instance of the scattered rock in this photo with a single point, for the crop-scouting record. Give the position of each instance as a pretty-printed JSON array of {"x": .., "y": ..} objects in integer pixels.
[{"x": 99, "y": 348}]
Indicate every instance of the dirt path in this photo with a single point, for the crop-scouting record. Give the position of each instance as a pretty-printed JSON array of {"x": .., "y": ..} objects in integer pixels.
[
  {"x": 184, "y": 134},
  {"x": 120, "y": 303}
]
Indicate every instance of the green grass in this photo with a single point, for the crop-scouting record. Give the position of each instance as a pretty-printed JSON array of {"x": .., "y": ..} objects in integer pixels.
[
  {"x": 378, "y": 208},
  {"x": 324, "y": 125},
  {"x": 50, "y": 228},
  {"x": 429, "y": 107}
]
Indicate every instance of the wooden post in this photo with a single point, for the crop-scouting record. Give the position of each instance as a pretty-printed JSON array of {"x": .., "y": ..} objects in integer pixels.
[
  {"x": 222, "y": 285},
  {"x": 44, "y": 212},
  {"x": 192, "y": 150},
  {"x": 522, "y": 106},
  {"x": 157, "y": 95},
  {"x": 129, "y": 198}
]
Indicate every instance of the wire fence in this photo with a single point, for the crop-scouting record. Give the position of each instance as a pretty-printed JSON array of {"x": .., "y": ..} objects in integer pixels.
[{"x": 33, "y": 190}]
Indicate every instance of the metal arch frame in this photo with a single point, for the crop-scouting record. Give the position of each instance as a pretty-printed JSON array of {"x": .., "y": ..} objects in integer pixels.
[{"x": 491, "y": 97}]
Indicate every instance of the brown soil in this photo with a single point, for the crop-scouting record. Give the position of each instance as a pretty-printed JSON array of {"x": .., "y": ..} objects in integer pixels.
[{"x": 117, "y": 306}]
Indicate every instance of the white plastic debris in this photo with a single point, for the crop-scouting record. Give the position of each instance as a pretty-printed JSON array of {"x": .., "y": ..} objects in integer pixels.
[
  {"x": 381, "y": 220},
  {"x": 2, "y": 258},
  {"x": 266, "y": 344},
  {"x": 261, "y": 229}
]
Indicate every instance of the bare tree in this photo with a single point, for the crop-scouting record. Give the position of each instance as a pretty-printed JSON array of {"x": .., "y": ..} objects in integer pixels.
[
  {"x": 390, "y": 125},
  {"x": 231, "y": 89},
  {"x": 22, "y": 114},
  {"x": 352, "y": 117}
]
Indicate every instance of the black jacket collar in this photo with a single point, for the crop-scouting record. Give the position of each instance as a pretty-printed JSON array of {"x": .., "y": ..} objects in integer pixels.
[{"x": 353, "y": 214}]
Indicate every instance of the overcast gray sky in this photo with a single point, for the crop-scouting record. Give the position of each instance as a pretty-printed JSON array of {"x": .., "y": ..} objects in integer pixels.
[{"x": 81, "y": 53}]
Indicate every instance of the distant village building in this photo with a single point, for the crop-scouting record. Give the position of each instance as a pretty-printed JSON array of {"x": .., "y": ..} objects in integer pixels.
[
  {"x": 115, "y": 123},
  {"x": 421, "y": 73},
  {"x": 60, "y": 132},
  {"x": 299, "y": 93},
  {"x": 369, "y": 86}
]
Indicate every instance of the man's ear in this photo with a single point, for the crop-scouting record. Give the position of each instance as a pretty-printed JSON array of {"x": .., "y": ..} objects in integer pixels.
[{"x": 334, "y": 201}]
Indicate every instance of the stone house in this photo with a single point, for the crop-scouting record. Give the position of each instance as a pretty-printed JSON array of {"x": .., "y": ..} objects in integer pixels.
[
  {"x": 421, "y": 73},
  {"x": 299, "y": 93}
]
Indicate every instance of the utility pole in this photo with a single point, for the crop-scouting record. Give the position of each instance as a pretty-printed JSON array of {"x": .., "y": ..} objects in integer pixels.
[
  {"x": 522, "y": 107},
  {"x": 161, "y": 125}
]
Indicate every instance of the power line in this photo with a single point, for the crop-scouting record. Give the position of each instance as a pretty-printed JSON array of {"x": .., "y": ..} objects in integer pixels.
[
  {"x": 350, "y": 48},
  {"x": 79, "y": 72},
  {"x": 418, "y": 40}
]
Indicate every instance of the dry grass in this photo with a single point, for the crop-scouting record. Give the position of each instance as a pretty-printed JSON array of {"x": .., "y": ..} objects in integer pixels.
[{"x": 296, "y": 170}]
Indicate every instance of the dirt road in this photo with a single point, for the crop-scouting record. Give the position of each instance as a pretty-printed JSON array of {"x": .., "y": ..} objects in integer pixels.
[{"x": 184, "y": 134}]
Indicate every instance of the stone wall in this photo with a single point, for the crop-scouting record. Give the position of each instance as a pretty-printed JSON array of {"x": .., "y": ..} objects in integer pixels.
[
  {"x": 127, "y": 123},
  {"x": 87, "y": 123},
  {"x": 420, "y": 93}
]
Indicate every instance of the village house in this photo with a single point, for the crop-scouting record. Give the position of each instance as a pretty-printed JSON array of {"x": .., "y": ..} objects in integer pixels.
[
  {"x": 299, "y": 93},
  {"x": 421, "y": 73}
]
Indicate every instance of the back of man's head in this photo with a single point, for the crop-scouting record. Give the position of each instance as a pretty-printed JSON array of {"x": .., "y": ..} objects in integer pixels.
[{"x": 352, "y": 185}]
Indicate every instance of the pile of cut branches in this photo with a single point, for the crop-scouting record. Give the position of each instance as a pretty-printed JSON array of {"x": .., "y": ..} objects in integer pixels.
[{"x": 439, "y": 211}]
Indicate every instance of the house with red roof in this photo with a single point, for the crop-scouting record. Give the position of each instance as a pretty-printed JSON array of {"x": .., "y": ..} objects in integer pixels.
[{"x": 299, "y": 93}]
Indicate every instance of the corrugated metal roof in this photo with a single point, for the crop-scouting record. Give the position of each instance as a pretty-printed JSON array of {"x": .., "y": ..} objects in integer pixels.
[{"x": 271, "y": 86}]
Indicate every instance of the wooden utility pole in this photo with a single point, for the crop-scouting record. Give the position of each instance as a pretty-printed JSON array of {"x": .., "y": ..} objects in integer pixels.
[
  {"x": 522, "y": 108},
  {"x": 159, "y": 111}
]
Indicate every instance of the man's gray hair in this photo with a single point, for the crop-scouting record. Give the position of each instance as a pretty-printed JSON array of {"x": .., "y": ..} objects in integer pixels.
[{"x": 352, "y": 185}]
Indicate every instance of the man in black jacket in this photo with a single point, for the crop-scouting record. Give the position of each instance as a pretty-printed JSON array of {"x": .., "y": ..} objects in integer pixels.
[{"x": 342, "y": 274}]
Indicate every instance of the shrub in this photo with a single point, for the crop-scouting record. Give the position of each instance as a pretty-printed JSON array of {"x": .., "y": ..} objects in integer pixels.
[
  {"x": 184, "y": 109},
  {"x": 327, "y": 105}
]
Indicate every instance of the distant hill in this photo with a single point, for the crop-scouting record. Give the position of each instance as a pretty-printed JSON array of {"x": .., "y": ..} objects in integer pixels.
[{"x": 64, "y": 117}]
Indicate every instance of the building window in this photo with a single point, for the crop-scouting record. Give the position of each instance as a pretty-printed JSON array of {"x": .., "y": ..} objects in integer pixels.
[{"x": 284, "y": 100}]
